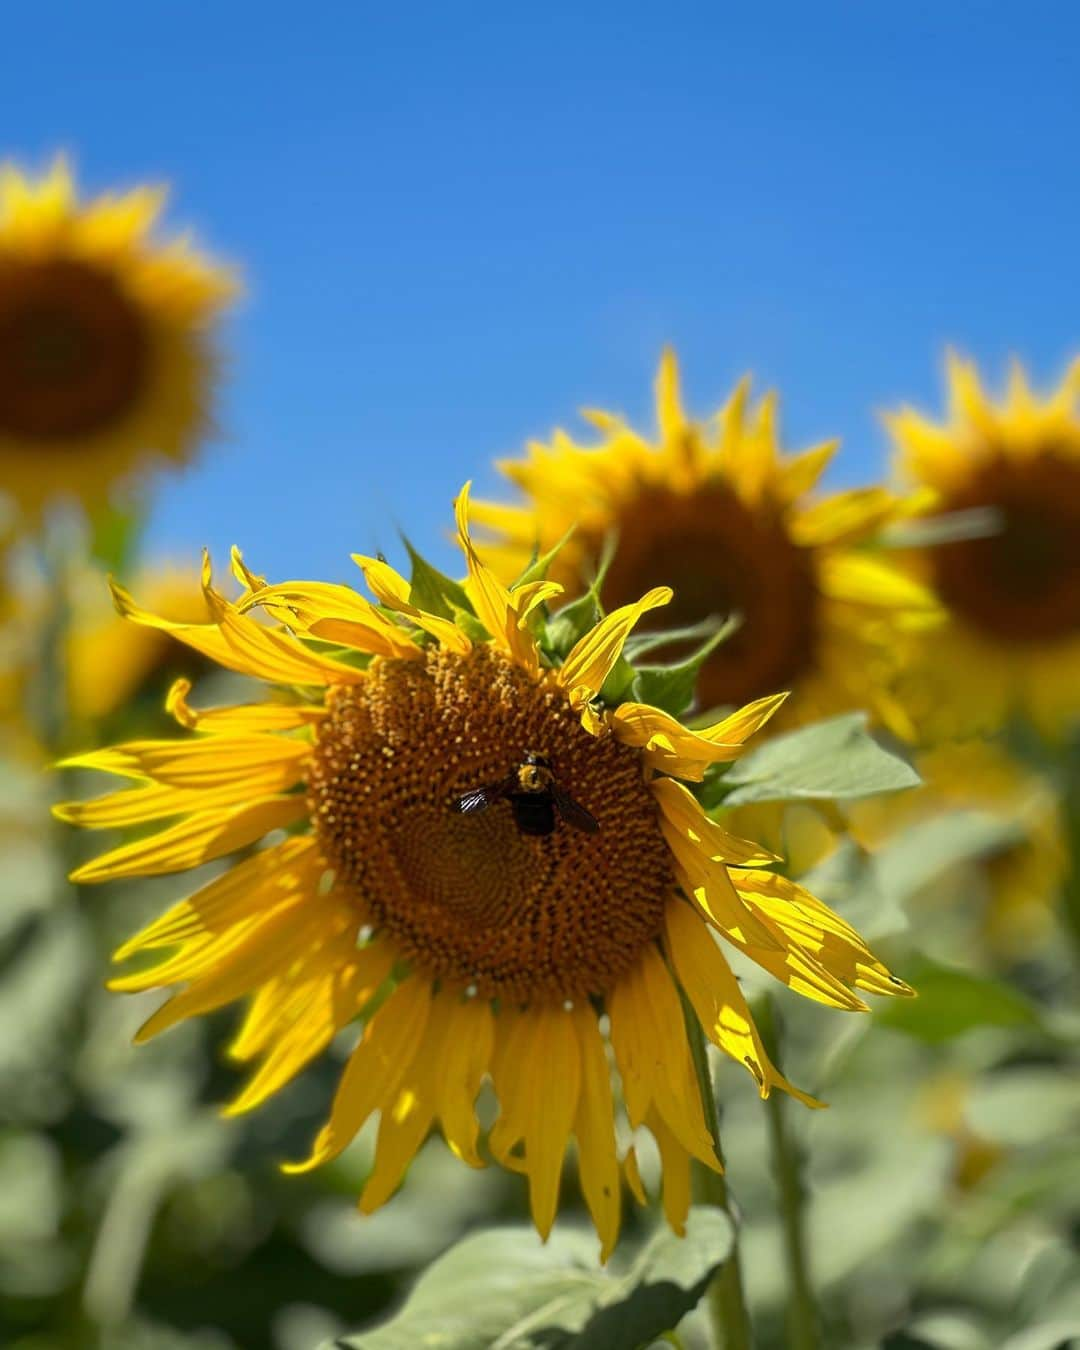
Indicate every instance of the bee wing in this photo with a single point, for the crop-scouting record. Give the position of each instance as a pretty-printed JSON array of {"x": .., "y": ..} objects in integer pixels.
[
  {"x": 573, "y": 812},
  {"x": 479, "y": 799}
]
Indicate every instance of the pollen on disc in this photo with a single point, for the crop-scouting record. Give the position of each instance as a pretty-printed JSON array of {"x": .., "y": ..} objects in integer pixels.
[{"x": 471, "y": 898}]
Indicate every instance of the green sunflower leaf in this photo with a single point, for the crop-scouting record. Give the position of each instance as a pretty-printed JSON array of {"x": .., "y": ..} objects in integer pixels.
[
  {"x": 833, "y": 760},
  {"x": 952, "y": 1001},
  {"x": 431, "y": 590},
  {"x": 503, "y": 1289}
]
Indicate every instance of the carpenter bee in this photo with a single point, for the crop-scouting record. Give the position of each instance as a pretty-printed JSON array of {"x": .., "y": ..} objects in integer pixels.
[{"x": 534, "y": 795}]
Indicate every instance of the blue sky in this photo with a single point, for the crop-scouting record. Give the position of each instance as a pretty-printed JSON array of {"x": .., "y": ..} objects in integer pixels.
[{"x": 460, "y": 223}]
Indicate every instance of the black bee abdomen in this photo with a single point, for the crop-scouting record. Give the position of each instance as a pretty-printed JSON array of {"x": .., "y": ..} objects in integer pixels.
[{"x": 534, "y": 812}]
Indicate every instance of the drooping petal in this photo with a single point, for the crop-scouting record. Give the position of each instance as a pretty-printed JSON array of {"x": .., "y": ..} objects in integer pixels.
[
  {"x": 648, "y": 1035},
  {"x": 257, "y": 951},
  {"x": 538, "y": 1086},
  {"x": 466, "y": 1058},
  {"x": 594, "y": 1126},
  {"x": 674, "y": 749},
  {"x": 375, "y": 1070},
  {"x": 714, "y": 993},
  {"x": 271, "y": 654},
  {"x": 675, "y": 1173},
  {"x": 684, "y": 812},
  {"x": 319, "y": 1006},
  {"x": 821, "y": 933}
]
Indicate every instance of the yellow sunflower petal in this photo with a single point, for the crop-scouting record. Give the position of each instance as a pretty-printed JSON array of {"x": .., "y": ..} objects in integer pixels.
[
  {"x": 495, "y": 606},
  {"x": 648, "y": 1035},
  {"x": 683, "y": 810},
  {"x": 466, "y": 1058},
  {"x": 672, "y": 748},
  {"x": 406, "y": 1118},
  {"x": 269, "y": 654},
  {"x": 805, "y": 919},
  {"x": 392, "y": 590},
  {"x": 594, "y": 1126},
  {"x": 375, "y": 1070},
  {"x": 541, "y": 1096},
  {"x": 858, "y": 579},
  {"x": 263, "y": 949},
  {"x": 202, "y": 763},
  {"x": 593, "y": 656},
  {"x": 334, "y": 613},
  {"x": 718, "y": 1001},
  {"x": 241, "y": 719},
  {"x": 199, "y": 838},
  {"x": 234, "y": 896},
  {"x": 675, "y": 1173}
]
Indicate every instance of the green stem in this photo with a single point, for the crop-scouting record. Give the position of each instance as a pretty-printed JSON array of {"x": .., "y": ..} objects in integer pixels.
[
  {"x": 803, "y": 1321},
  {"x": 1070, "y": 810},
  {"x": 725, "y": 1300}
]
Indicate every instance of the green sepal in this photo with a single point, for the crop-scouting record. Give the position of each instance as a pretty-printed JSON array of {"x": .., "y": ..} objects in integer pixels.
[
  {"x": 671, "y": 687},
  {"x": 537, "y": 569},
  {"x": 469, "y": 624},
  {"x": 638, "y": 644},
  {"x": 433, "y": 591},
  {"x": 569, "y": 624},
  {"x": 620, "y": 681},
  {"x": 579, "y": 617}
]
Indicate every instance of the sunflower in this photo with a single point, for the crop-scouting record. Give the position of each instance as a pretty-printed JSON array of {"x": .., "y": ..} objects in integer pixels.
[
  {"x": 470, "y": 947},
  {"x": 1022, "y": 875},
  {"x": 718, "y": 512},
  {"x": 104, "y": 354},
  {"x": 1013, "y": 591}
]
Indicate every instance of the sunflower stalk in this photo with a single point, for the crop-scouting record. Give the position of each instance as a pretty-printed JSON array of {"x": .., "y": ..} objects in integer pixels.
[
  {"x": 729, "y": 1317},
  {"x": 1070, "y": 808},
  {"x": 803, "y": 1321}
]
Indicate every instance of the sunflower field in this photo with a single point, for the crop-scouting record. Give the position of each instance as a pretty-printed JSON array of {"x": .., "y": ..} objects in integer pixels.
[{"x": 640, "y": 909}]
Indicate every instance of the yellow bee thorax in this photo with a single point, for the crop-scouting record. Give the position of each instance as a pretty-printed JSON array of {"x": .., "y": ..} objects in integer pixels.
[{"x": 533, "y": 777}]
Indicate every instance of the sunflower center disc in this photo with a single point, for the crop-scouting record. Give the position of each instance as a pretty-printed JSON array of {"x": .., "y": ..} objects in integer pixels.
[
  {"x": 73, "y": 352},
  {"x": 721, "y": 558},
  {"x": 470, "y": 898},
  {"x": 1022, "y": 582}
]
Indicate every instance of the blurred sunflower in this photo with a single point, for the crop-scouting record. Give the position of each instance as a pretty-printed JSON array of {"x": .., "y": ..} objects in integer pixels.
[
  {"x": 471, "y": 943},
  {"x": 717, "y": 511},
  {"x": 1014, "y": 591},
  {"x": 104, "y": 352},
  {"x": 1023, "y": 875}
]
